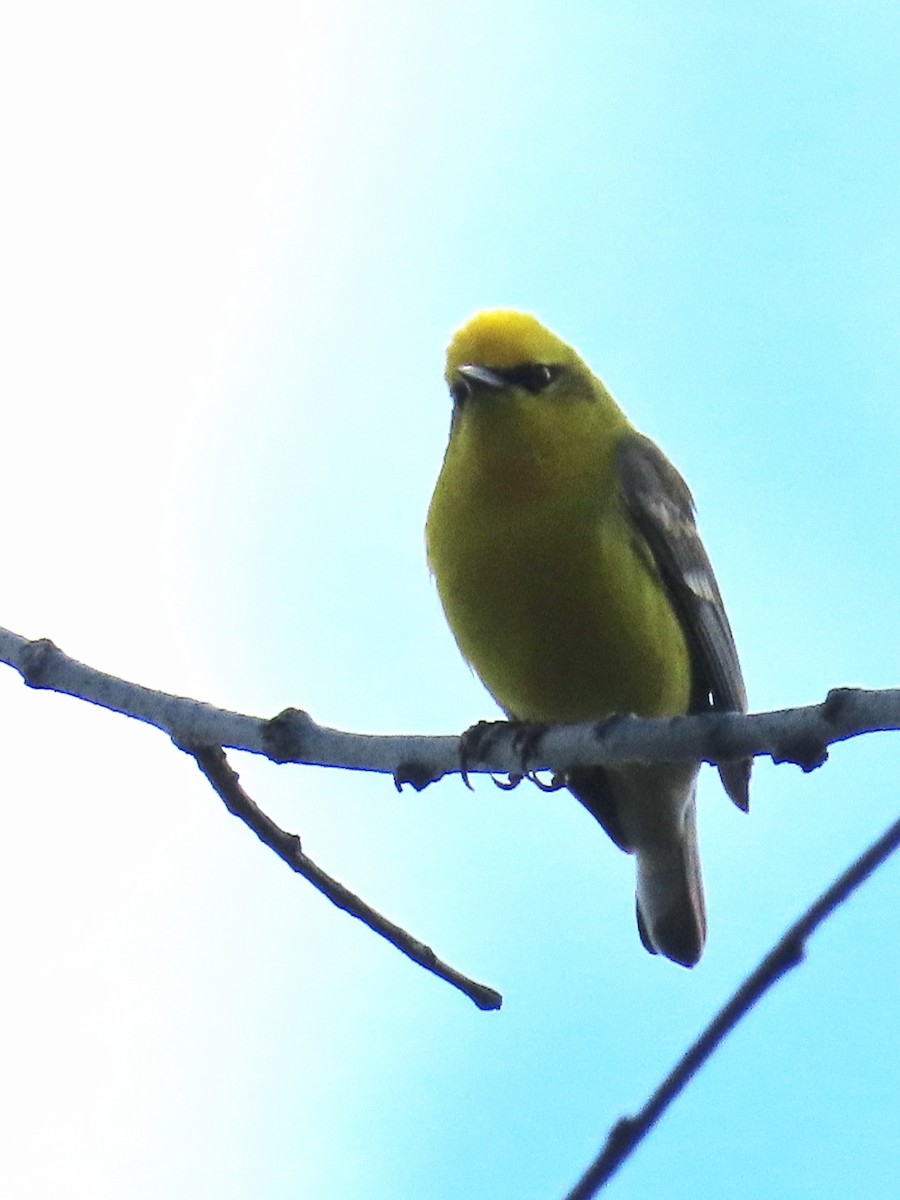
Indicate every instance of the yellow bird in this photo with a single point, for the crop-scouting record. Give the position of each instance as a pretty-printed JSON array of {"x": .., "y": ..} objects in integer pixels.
[{"x": 569, "y": 567}]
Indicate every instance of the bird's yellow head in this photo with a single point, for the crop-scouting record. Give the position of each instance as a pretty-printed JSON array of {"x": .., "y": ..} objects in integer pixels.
[
  {"x": 528, "y": 416},
  {"x": 505, "y": 349},
  {"x": 512, "y": 362}
]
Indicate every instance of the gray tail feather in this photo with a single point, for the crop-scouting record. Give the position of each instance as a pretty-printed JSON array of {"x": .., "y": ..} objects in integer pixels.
[{"x": 671, "y": 913}]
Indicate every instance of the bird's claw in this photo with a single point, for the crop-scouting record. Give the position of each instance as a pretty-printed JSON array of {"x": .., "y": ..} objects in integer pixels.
[
  {"x": 476, "y": 742},
  {"x": 474, "y": 745}
]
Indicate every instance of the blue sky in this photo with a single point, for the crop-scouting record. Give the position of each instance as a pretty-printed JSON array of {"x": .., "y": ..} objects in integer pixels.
[{"x": 235, "y": 243}]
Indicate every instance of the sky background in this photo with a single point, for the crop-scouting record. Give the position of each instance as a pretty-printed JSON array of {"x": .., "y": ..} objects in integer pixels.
[{"x": 234, "y": 243}]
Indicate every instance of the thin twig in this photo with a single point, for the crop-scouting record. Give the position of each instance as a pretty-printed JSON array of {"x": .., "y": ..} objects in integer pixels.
[
  {"x": 788, "y": 953},
  {"x": 212, "y": 762}
]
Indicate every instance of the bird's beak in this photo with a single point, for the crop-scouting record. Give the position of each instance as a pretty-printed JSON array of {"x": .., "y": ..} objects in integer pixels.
[{"x": 474, "y": 374}]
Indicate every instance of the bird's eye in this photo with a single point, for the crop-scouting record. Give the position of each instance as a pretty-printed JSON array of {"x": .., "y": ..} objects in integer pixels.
[{"x": 533, "y": 377}]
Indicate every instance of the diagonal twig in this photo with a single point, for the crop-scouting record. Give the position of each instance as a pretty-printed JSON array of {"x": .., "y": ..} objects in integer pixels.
[
  {"x": 787, "y": 953},
  {"x": 212, "y": 762}
]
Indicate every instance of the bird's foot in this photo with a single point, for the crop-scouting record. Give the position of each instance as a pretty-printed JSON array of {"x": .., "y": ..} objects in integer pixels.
[
  {"x": 476, "y": 743},
  {"x": 478, "y": 740}
]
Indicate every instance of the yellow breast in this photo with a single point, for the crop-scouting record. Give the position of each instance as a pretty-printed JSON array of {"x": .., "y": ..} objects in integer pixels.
[{"x": 549, "y": 596}]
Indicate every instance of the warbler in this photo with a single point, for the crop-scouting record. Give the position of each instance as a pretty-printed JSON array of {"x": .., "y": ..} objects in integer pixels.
[{"x": 566, "y": 556}]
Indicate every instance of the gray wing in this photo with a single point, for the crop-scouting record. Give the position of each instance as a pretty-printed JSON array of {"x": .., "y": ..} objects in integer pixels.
[{"x": 661, "y": 508}]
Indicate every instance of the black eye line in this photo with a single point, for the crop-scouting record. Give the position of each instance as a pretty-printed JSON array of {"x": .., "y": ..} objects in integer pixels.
[{"x": 534, "y": 377}]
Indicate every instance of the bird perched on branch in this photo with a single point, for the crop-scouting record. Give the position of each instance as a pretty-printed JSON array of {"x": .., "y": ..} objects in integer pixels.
[{"x": 569, "y": 567}]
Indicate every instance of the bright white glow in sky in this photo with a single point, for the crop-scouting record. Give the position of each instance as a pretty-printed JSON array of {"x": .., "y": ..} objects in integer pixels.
[{"x": 234, "y": 242}]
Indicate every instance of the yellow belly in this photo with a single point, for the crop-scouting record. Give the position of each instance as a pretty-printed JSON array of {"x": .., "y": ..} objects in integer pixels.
[{"x": 555, "y": 609}]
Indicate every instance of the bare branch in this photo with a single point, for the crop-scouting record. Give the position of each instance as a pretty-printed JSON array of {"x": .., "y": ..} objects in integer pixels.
[
  {"x": 214, "y": 765},
  {"x": 798, "y": 735},
  {"x": 788, "y": 953}
]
